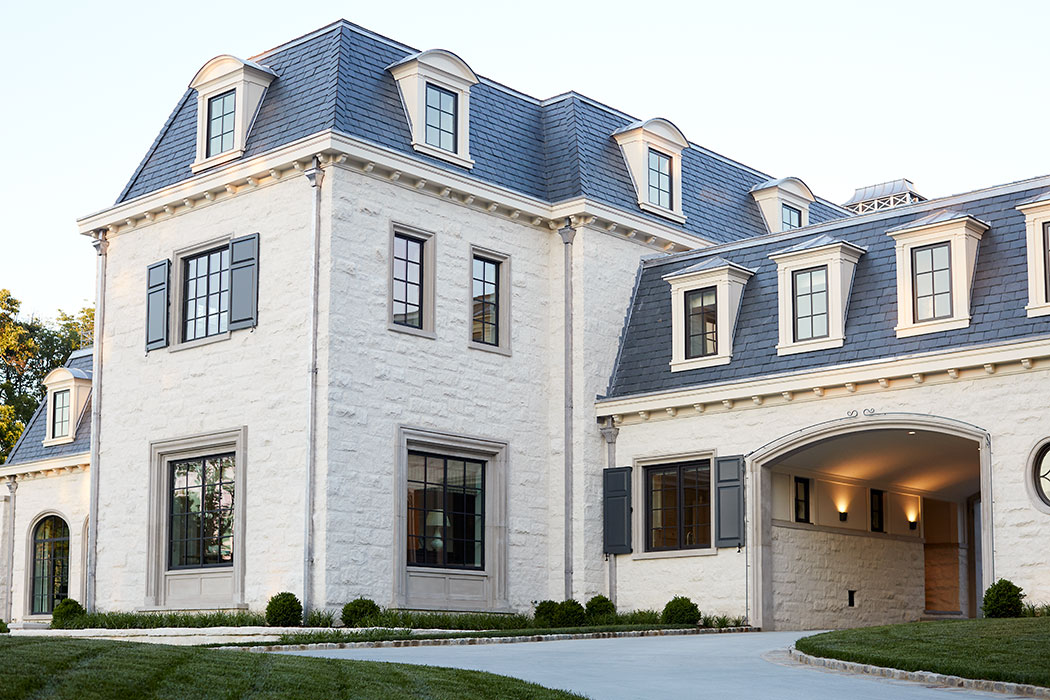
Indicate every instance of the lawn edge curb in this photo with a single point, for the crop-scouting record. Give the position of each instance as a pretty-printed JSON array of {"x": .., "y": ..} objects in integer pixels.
[
  {"x": 473, "y": 641},
  {"x": 1032, "y": 691}
]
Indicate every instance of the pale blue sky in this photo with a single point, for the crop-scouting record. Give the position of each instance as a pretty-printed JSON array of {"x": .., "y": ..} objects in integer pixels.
[{"x": 952, "y": 95}]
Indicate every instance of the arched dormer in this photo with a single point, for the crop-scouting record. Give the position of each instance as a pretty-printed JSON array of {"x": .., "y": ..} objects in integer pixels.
[
  {"x": 784, "y": 203},
  {"x": 435, "y": 91},
  {"x": 229, "y": 91},
  {"x": 653, "y": 152},
  {"x": 68, "y": 390}
]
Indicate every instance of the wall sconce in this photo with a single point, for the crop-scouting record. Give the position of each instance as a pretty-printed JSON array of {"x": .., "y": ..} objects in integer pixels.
[
  {"x": 912, "y": 524},
  {"x": 842, "y": 516}
]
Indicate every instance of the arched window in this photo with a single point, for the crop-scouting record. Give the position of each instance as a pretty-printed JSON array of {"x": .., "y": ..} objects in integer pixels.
[
  {"x": 50, "y": 564},
  {"x": 1041, "y": 474}
]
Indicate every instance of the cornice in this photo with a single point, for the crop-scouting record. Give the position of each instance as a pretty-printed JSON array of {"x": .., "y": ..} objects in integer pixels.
[{"x": 70, "y": 464}]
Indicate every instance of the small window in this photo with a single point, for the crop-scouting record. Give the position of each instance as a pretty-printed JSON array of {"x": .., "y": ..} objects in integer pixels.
[
  {"x": 206, "y": 295},
  {"x": 220, "y": 123},
  {"x": 485, "y": 291},
  {"x": 60, "y": 414},
  {"x": 931, "y": 279},
  {"x": 446, "y": 511},
  {"x": 701, "y": 311},
  {"x": 50, "y": 564},
  {"x": 660, "y": 179},
  {"x": 202, "y": 493},
  {"x": 441, "y": 118},
  {"x": 678, "y": 511},
  {"x": 1041, "y": 474},
  {"x": 810, "y": 294},
  {"x": 878, "y": 511},
  {"x": 408, "y": 281},
  {"x": 790, "y": 217},
  {"x": 801, "y": 500}
]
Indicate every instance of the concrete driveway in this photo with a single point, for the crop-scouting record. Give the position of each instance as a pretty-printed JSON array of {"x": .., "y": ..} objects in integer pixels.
[{"x": 735, "y": 666}]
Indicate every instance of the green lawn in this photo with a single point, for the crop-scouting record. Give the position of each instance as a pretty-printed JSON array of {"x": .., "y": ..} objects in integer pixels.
[
  {"x": 1015, "y": 650},
  {"x": 35, "y": 667}
]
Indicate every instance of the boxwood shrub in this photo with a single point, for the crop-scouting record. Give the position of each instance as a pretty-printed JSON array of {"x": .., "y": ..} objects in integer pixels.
[
  {"x": 680, "y": 611},
  {"x": 1003, "y": 599},
  {"x": 65, "y": 613},
  {"x": 284, "y": 610},
  {"x": 360, "y": 611}
]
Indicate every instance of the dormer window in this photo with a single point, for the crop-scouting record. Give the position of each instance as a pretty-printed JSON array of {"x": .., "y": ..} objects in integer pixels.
[
  {"x": 652, "y": 151},
  {"x": 220, "y": 123},
  {"x": 701, "y": 308},
  {"x": 790, "y": 217},
  {"x": 931, "y": 270},
  {"x": 784, "y": 203},
  {"x": 1037, "y": 233},
  {"x": 435, "y": 93},
  {"x": 60, "y": 414},
  {"x": 68, "y": 390},
  {"x": 810, "y": 297}
]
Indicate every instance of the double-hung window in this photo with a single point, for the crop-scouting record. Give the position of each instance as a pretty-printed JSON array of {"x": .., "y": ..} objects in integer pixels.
[
  {"x": 810, "y": 303},
  {"x": 485, "y": 286},
  {"x": 931, "y": 280},
  {"x": 678, "y": 506},
  {"x": 221, "y": 126},
  {"x": 801, "y": 500},
  {"x": 206, "y": 295},
  {"x": 446, "y": 511},
  {"x": 790, "y": 217},
  {"x": 441, "y": 118},
  {"x": 660, "y": 179},
  {"x": 701, "y": 311},
  {"x": 201, "y": 529},
  {"x": 408, "y": 281},
  {"x": 60, "y": 414}
]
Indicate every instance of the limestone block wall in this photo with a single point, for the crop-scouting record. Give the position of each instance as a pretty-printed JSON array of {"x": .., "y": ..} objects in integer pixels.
[
  {"x": 813, "y": 570},
  {"x": 3, "y": 553}
]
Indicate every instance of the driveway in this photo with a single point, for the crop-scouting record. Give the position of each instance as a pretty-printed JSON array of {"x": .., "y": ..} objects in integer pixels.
[{"x": 735, "y": 666}]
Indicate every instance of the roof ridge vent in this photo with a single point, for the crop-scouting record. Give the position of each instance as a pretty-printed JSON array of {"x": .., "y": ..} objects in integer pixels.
[{"x": 885, "y": 195}]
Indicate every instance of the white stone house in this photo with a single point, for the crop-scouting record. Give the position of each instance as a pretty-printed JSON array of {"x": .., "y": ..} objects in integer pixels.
[{"x": 356, "y": 303}]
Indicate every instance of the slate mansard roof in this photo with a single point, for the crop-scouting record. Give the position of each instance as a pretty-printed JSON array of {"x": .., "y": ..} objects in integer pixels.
[
  {"x": 999, "y": 297},
  {"x": 30, "y": 445},
  {"x": 553, "y": 150}
]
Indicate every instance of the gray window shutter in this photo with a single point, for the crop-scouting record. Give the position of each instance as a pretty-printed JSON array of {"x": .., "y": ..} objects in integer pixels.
[
  {"x": 729, "y": 498},
  {"x": 157, "y": 276},
  {"x": 617, "y": 510},
  {"x": 244, "y": 282}
]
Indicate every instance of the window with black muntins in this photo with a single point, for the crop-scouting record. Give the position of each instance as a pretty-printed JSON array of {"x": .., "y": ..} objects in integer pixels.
[
  {"x": 221, "y": 110},
  {"x": 878, "y": 511},
  {"x": 201, "y": 526},
  {"x": 810, "y": 303},
  {"x": 206, "y": 294},
  {"x": 441, "y": 118},
  {"x": 485, "y": 290},
  {"x": 801, "y": 500},
  {"x": 408, "y": 281},
  {"x": 701, "y": 317},
  {"x": 678, "y": 506},
  {"x": 50, "y": 564},
  {"x": 790, "y": 217},
  {"x": 446, "y": 511},
  {"x": 931, "y": 280},
  {"x": 659, "y": 179},
  {"x": 60, "y": 414}
]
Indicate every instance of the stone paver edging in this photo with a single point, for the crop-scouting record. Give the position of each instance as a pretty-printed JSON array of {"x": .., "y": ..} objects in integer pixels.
[
  {"x": 1032, "y": 691},
  {"x": 517, "y": 639}
]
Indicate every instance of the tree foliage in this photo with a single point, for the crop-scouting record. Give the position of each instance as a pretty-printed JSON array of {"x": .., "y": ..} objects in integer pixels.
[{"x": 29, "y": 349}]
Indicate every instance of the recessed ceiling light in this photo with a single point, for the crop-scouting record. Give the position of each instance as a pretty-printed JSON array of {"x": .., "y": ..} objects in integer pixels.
[{"x": 911, "y": 432}]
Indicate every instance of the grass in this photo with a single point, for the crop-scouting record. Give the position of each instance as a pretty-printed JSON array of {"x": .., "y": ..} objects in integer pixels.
[
  {"x": 35, "y": 667},
  {"x": 1012, "y": 650},
  {"x": 126, "y": 620}
]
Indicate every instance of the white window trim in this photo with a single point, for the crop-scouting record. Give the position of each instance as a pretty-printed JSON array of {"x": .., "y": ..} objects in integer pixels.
[
  {"x": 63, "y": 379},
  {"x": 840, "y": 258},
  {"x": 635, "y": 140},
  {"x": 1036, "y": 216},
  {"x": 493, "y": 578},
  {"x": 429, "y": 263},
  {"x": 729, "y": 281},
  {"x": 503, "y": 292},
  {"x": 963, "y": 236},
  {"x": 638, "y": 475},
  {"x": 772, "y": 196}
]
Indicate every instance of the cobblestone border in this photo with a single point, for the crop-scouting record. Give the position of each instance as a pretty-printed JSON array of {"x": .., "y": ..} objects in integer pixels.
[
  {"x": 472, "y": 641},
  {"x": 1031, "y": 691}
]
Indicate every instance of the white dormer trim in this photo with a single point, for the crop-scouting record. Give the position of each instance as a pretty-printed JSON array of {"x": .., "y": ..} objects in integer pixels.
[
  {"x": 963, "y": 233},
  {"x": 840, "y": 259},
  {"x": 729, "y": 280},
  {"x": 772, "y": 195},
  {"x": 442, "y": 69},
  {"x": 219, "y": 75},
  {"x": 661, "y": 135},
  {"x": 1036, "y": 221},
  {"x": 78, "y": 383}
]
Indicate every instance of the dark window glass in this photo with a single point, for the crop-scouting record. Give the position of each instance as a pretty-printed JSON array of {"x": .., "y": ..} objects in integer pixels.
[
  {"x": 1046, "y": 260},
  {"x": 878, "y": 511},
  {"x": 485, "y": 327},
  {"x": 790, "y": 217},
  {"x": 202, "y": 494},
  {"x": 678, "y": 506},
  {"x": 659, "y": 179},
  {"x": 50, "y": 564},
  {"x": 60, "y": 414},
  {"x": 701, "y": 318},
  {"x": 408, "y": 281},
  {"x": 446, "y": 511},
  {"x": 801, "y": 500},
  {"x": 206, "y": 294},
  {"x": 220, "y": 123},
  {"x": 441, "y": 118},
  {"x": 1042, "y": 474},
  {"x": 810, "y": 303},
  {"x": 931, "y": 278}
]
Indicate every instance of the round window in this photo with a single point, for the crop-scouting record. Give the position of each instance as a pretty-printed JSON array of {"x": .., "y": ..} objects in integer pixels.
[{"x": 1041, "y": 474}]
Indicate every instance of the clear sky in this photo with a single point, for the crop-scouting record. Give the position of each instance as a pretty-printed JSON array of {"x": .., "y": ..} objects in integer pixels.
[{"x": 952, "y": 95}]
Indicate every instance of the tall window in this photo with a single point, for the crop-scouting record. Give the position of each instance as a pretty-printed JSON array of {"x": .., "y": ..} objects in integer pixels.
[
  {"x": 790, "y": 217},
  {"x": 220, "y": 123},
  {"x": 50, "y": 564},
  {"x": 485, "y": 327},
  {"x": 659, "y": 179},
  {"x": 801, "y": 500},
  {"x": 201, "y": 512},
  {"x": 1041, "y": 474},
  {"x": 810, "y": 303},
  {"x": 1046, "y": 258},
  {"x": 60, "y": 414},
  {"x": 678, "y": 512},
  {"x": 931, "y": 279},
  {"x": 207, "y": 294},
  {"x": 441, "y": 118},
  {"x": 878, "y": 511},
  {"x": 446, "y": 511},
  {"x": 701, "y": 314},
  {"x": 408, "y": 281}
]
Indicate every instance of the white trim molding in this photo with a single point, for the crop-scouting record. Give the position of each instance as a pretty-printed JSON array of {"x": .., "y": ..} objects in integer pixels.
[
  {"x": 773, "y": 195},
  {"x": 635, "y": 141},
  {"x": 78, "y": 383},
  {"x": 1037, "y": 235},
  {"x": 639, "y": 516}
]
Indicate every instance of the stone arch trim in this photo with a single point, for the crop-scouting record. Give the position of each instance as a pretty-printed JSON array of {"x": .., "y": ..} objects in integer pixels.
[{"x": 27, "y": 572}]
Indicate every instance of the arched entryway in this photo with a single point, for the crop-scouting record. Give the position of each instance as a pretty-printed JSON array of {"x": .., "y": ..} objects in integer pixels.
[
  {"x": 50, "y": 565},
  {"x": 869, "y": 519}
]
